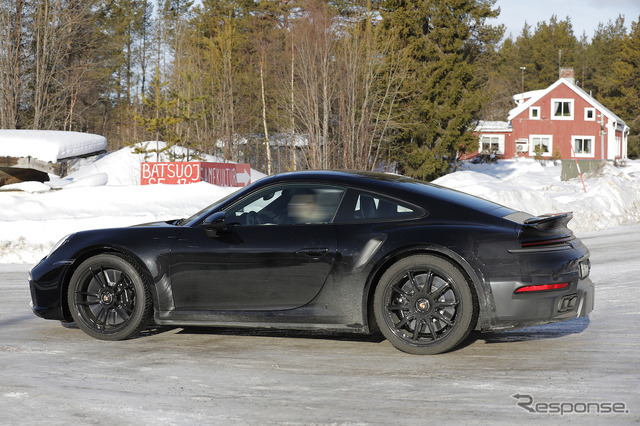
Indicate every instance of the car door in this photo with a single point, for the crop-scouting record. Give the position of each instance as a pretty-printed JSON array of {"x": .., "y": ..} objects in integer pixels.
[{"x": 276, "y": 252}]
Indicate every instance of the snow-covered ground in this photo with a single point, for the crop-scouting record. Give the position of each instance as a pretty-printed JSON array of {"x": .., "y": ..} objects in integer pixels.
[{"x": 106, "y": 193}]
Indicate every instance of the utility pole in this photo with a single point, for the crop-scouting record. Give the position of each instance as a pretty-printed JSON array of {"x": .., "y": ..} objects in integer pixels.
[{"x": 522, "y": 69}]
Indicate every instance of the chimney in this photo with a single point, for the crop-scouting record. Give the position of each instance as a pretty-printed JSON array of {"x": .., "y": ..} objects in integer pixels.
[{"x": 567, "y": 74}]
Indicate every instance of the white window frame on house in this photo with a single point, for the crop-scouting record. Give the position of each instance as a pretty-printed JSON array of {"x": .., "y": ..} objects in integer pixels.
[
  {"x": 489, "y": 140},
  {"x": 532, "y": 144},
  {"x": 534, "y": 113},
  {"x": 564, "y": 115},
  {"x": 579, "y": 147},
  {"x": 586, "y": 114}
]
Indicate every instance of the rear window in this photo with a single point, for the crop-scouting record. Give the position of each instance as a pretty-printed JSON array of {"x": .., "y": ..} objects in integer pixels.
[{"x": 364, "y": 206}]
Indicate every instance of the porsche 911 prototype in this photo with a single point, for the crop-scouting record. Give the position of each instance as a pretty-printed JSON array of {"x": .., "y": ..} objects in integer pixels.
[{"x": 328, "y": 251}]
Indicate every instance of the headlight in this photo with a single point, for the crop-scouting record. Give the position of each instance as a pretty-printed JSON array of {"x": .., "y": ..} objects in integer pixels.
[{"x": 59, "y": 244}]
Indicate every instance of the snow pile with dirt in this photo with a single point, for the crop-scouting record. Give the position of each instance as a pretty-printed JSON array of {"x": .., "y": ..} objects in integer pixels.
[{"x": 105, "y": 192}]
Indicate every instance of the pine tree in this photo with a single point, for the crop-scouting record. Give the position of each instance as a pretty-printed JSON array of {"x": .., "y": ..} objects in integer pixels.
[
  {"x": 626, "y": 72},
  {"x": 553, "y": 45},
  {"x": 606, "y": 67},
  {"x": 223, "y": 48},
  {"x": 158, "y": 119},
  {"x": 442, "y": 38},
  {"x": 123, "y": 29}
]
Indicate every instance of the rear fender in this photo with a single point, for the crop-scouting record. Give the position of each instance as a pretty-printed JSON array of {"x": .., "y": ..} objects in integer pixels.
[{"x": 480, "y": 287}]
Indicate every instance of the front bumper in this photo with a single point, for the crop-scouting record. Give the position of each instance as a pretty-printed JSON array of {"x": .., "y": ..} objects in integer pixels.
[
  {"x": 45, "y": 283},
  {"x": 512, "y": 310}
]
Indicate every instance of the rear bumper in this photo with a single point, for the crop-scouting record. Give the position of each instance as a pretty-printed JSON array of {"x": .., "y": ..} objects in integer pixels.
[{"x": 513, "y": 310}]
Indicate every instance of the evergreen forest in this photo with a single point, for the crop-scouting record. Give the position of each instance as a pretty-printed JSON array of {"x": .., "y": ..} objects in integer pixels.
[{"x": 298, "y": 84}]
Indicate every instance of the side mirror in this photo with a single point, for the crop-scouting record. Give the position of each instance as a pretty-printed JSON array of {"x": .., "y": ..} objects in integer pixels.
[{"x": 215, "y": 223}]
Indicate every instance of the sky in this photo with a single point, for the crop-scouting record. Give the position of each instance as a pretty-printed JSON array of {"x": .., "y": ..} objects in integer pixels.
[{"x": 585, "y": 15}]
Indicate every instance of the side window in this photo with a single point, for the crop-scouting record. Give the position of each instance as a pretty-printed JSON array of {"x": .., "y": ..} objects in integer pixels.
[
  {"x": 363, "y": 206},
  {"x": 288, "y": 205},
  {"x": 262, "y": 208}
]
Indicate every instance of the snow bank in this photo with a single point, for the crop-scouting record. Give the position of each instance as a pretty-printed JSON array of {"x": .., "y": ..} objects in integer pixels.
[
  {"x": 612, "y": 197},
  {"x": 49, "y": 145},
  {"x": 123, "y": 167},
  {"x": 102, "y": 192},
  {"x": 31, "y": 223}
]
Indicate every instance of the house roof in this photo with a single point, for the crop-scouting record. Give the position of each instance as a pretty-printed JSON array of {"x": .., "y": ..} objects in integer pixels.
[
  {"x": 539, "y": 94},
  {"x": 493, "y": 126},
  {"x": 523, "y": 97}
]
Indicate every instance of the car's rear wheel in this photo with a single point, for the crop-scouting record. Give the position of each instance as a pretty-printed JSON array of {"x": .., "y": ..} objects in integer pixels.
[
  {"x": 109, "y": 298},
  {"x": 423, "y": 305}
]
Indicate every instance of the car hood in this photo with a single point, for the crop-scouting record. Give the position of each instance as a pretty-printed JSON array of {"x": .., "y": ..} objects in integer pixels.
[{"x": 157, "y": 224}]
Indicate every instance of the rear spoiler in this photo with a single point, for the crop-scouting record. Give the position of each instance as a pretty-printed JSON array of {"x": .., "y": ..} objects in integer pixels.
[
  {"x": 546, "y": 230},
  {"x": 547, "y": 222}
]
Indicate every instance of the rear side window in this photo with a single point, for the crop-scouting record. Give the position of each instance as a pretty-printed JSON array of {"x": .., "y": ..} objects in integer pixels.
[{"x": 364, "y": 206}]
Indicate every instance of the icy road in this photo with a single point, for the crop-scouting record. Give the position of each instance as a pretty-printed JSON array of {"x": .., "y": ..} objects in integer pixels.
[{"x": 581, "y": 371}]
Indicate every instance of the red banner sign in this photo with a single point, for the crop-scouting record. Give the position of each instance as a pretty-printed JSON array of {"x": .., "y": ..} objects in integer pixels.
[{"x": 179, "y": 173}]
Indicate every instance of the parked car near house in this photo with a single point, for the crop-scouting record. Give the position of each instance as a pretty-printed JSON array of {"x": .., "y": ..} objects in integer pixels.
[{"x": 330, "y": 251}]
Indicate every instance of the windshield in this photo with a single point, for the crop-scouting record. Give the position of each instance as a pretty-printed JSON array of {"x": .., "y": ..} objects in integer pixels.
[{"x": 204, "y": 212}]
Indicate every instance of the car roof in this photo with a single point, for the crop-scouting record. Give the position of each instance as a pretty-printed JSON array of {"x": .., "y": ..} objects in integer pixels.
[{"x": 394, "y": 185}]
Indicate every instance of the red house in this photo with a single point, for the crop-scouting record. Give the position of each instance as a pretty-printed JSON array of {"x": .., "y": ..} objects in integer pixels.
[{"x": 562, "y": 119}]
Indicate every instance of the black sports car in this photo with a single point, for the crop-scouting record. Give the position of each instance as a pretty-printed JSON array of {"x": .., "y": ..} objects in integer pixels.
[{"x": 329, "y": 251}]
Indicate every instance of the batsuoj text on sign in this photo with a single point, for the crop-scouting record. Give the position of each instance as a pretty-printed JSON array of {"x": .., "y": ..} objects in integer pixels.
[{"x": 180, "y": 172}]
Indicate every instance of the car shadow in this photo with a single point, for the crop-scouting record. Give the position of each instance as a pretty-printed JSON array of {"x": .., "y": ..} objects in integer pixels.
[
  {"x": 538, "y": 332},
  {"x": 532, "y": 333},
  {"x": 295, "y": 334},
  {"x": 154, "y": 330}
]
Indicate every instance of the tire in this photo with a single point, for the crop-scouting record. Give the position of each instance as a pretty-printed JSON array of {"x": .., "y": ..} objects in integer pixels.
[
  {"x": 109, "y": 298},
  {"x": 424, "y": 306}
]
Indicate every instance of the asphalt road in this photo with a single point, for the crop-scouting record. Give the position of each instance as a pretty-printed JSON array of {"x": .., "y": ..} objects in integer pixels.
[{"x": 581, "y": 371}]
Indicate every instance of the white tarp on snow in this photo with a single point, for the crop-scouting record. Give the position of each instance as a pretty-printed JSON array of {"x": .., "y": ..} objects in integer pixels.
[{"x": 49, "y": 145}]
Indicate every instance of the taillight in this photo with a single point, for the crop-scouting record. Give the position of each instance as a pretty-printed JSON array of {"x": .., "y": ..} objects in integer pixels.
[
  {"x": 548, "y": 242},
  {"x": 542, "y": 287}
]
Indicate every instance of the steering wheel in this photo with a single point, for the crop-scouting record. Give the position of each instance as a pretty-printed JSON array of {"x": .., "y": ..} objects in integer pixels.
[{"x": 253, "y": 218}]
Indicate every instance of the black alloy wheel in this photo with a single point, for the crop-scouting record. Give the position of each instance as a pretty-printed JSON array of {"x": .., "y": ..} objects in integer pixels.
[
  {"x": 423, "y": 305},
  {"x": 109, "y": 298}
]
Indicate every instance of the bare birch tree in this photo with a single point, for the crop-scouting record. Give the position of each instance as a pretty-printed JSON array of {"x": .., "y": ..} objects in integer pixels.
[
  {"x": 11, "y": 62},
  {"x": 61, "y": 60},
  {"x": 314, "y": 94},
  {"x": 371, "y": 77}
]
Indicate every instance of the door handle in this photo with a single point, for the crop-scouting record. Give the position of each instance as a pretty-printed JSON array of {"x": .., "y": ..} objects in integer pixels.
[{"x": 314, "y": 252}]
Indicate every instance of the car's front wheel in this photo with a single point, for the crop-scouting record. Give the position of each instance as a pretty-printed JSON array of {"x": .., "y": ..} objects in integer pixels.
[
  {"x": 423, "y": 305},
  {"x": 109, "y": 298}
]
